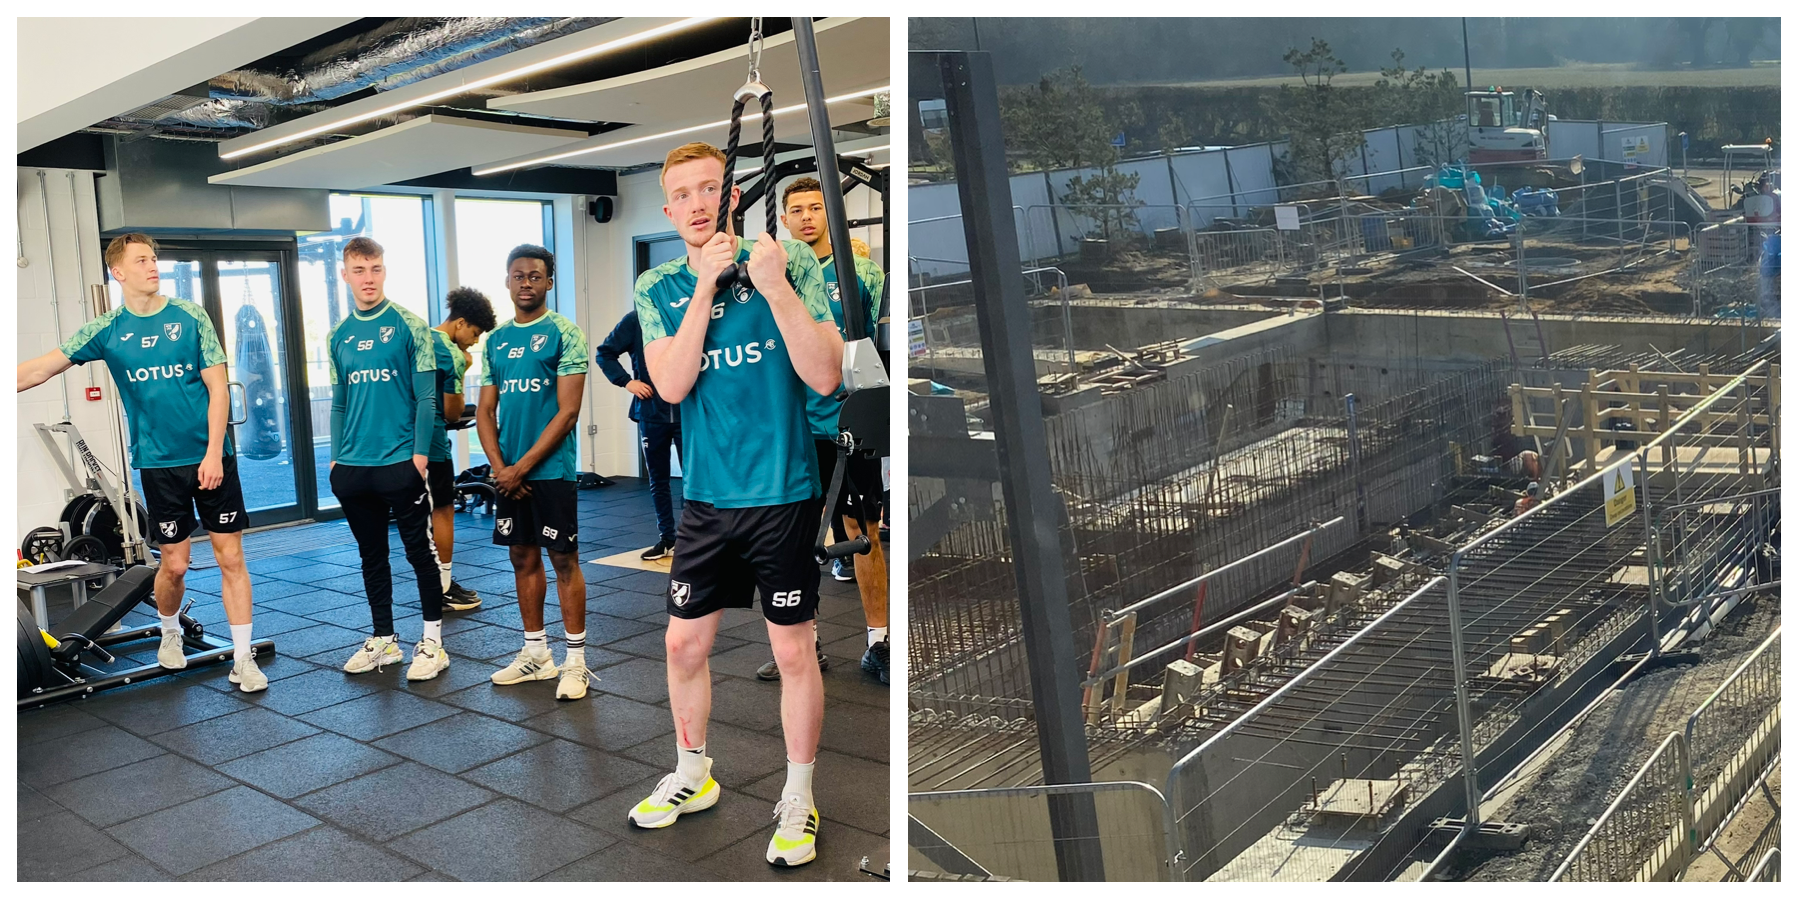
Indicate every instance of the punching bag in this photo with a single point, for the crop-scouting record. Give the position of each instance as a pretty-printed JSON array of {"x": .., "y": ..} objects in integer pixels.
[{"x": 260, "y": 435}]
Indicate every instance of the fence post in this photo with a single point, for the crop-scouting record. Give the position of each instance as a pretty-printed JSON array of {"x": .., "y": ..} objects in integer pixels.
[
  {"x": 1652, "y": 550},
  {"x": 1465, "y": 724},
  {"x": 1355, "y": 445}
]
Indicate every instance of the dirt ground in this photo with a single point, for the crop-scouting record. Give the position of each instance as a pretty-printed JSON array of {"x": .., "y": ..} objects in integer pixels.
[{"x": 1569, "y": 792}]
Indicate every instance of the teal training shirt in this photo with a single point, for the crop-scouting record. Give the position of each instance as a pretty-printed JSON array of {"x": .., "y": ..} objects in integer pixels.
[
  {"x": 744, "y": 435},
  {"x": 450, "y": 371},
  {"x": 156, "y": 360},
  {"x": 524, "y": 361},
  {"x": 383, "y": 377},
  {"x": 822, "y": 411}
]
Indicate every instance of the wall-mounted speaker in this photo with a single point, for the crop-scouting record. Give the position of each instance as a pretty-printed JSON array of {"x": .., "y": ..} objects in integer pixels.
[{"x": 601, "y": 208}]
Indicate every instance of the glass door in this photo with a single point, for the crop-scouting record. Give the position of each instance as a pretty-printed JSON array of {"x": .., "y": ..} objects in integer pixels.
[
  {"x": 253, "y": 328},
  {"x": 248, "y": 290}
]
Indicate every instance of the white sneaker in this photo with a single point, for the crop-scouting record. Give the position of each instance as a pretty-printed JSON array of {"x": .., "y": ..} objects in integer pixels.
[
  {"x": 671, "y": 798},
  {"x": 795, "y": 828},
  {"x": 429, "y": 659},
  {"x": 375, "y": 653},
  {"x": 247, "y": 676},
  {"x": 527, "y": 666},
  {"x": 575, "y": 679},
  {"x": 171, "y": 655}
]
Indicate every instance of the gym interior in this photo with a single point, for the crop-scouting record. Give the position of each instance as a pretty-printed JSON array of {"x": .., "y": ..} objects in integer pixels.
[{"x": 253, "y": 150}]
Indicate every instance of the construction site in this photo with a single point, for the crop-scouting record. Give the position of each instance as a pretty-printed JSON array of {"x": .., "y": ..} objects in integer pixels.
[{"x": 1383, "y": 538}]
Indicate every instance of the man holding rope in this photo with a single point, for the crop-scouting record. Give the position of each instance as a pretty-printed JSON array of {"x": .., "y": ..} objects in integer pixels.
[{"x": 742, "y": 371}]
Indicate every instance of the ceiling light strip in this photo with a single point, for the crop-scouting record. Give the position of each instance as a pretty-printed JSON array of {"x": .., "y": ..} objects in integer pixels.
[
  {"x": 465, "y": 87},
  {"x": 584, "y": 151}
]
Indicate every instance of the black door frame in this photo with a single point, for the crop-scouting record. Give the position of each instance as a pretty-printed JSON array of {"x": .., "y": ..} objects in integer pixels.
[{"x": 285, "y": 253}]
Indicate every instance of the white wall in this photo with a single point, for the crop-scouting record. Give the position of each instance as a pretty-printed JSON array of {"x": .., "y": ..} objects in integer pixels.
[{"x": 40, "y": 484}]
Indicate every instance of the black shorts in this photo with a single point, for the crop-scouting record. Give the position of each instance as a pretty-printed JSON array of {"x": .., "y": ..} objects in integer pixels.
[
  {"x": 440, "y": 479},
  {"x": 861, "y": 479},
  {"x": 171, "y": 495},
  {"x": 724, "y": 556},
  {"x": 544, "y": 519}
]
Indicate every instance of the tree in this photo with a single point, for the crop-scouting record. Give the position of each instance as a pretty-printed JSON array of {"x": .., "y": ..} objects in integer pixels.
[
  {"x": 1427, "y": 100},
  {"x": 1324, "y": 125},
  {"x": 1062, "y": 122},
  {"x": 1058, "y": 123}
]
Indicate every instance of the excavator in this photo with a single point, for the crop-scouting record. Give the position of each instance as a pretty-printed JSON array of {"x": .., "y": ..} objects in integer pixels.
[{"x": 1507, "y": 127}]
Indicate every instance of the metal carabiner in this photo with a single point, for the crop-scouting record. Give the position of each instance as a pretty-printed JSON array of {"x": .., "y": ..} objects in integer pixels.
[{"x": 756, "y": 49}]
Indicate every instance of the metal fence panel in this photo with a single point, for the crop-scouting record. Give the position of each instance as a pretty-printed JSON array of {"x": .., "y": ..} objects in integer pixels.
[{"x": 1643, "y": 835}]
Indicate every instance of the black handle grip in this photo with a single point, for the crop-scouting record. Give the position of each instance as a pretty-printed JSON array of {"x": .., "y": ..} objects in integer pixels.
[
  {"x": 851, "y": 547},
  {"x": 733, "y": 274}
]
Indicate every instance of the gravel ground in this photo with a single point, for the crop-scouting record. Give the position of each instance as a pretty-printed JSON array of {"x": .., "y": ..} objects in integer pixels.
[{"x": 1569, "y": 793}]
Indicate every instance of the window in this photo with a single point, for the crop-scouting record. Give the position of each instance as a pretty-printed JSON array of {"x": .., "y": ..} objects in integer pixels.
[
  {"x": 395, "y": 222},
  {"x": 486, "y": 231}
]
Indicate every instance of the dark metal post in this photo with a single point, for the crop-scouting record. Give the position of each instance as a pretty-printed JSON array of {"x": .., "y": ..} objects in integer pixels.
[
  {"x": 1032, "y": 510},
  {"x": 838, "y": 224},
  {"x": 1468, "y": 73}
]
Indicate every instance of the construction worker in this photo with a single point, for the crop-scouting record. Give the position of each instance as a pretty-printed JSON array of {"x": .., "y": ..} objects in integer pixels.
[{"x": 1533, "y": 496}]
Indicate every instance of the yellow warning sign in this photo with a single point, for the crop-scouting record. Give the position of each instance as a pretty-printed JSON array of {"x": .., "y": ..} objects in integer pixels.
[{"x": 1621, "y": 497}]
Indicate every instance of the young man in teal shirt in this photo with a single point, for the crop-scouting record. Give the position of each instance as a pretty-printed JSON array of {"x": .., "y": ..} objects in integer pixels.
[
  {"x": 533, "y": 374},
  {"x": 383, "y": 399},
  {"x": 803, "y": 214},
  {"x": 166, "y": 359},
  {"x": 741, "y": 370},
  {"x": 469, "y": 316}
]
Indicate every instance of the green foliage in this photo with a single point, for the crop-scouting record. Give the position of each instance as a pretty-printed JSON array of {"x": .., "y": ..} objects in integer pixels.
[
  {"x": 1062, "y": 122},
  {"x": 1324, "y": 125},
  {"x": 1430, "y": 100},
  {"x": 1108, "y": 198}
]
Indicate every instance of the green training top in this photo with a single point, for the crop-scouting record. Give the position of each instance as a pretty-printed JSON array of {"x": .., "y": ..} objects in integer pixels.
[
  {"x": 524, "y": 361},
  {"x": 383, "y": 386},
  {"x": 822, "y": 411},
  {"x": 744, "y": 435},
  {"x": 156, "y": 360},
  {"x": 450, "y": 371}
]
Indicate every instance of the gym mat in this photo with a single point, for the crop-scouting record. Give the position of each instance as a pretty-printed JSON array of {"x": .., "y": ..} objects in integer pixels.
[{"x": 629, "y": 560}]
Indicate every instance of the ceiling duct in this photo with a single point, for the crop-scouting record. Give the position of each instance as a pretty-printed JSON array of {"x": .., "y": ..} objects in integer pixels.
[{"x": 391, "y": 56}]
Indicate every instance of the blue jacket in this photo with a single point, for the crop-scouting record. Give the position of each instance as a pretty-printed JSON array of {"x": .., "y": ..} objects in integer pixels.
[{"x": 627, "y": 337}]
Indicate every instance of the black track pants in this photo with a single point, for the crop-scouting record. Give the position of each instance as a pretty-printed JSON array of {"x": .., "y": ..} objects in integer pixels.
[{"x": 367, "y": 494}]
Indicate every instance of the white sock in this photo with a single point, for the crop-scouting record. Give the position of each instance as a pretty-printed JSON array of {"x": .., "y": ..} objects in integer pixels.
[
  {"x": 798, "y": 789},
  {"x": 240, "y": 642},
  {"x": 171, "y": 624},
  {"x": 576, "y": 645},
  {"x": 537, "y": 643},
  {"x": 444, "y": 575},
  {"x": 877, "y": 635},
  {"x": 692, "y": 764},
  {"x": 434, "y": 631}
]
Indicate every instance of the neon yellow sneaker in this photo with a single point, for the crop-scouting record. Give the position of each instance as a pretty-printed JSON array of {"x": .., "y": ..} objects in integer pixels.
[
  {"x": 795, "y": 828},
  {"x": 671, "y": 798}
]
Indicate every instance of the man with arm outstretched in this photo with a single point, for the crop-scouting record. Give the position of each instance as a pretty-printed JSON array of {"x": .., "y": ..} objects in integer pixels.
[{"x": 168, "y": 364}]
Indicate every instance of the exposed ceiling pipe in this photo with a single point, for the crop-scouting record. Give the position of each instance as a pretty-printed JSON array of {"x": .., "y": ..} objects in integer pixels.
[{"x": 392, "y": 56}]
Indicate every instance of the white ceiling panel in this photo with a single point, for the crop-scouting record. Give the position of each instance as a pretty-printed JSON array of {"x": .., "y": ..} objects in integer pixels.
[
  {"x": 646, "y": 144},
  {"x": 853, "y": 54},
  {"x": 424, "y": 146}
]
